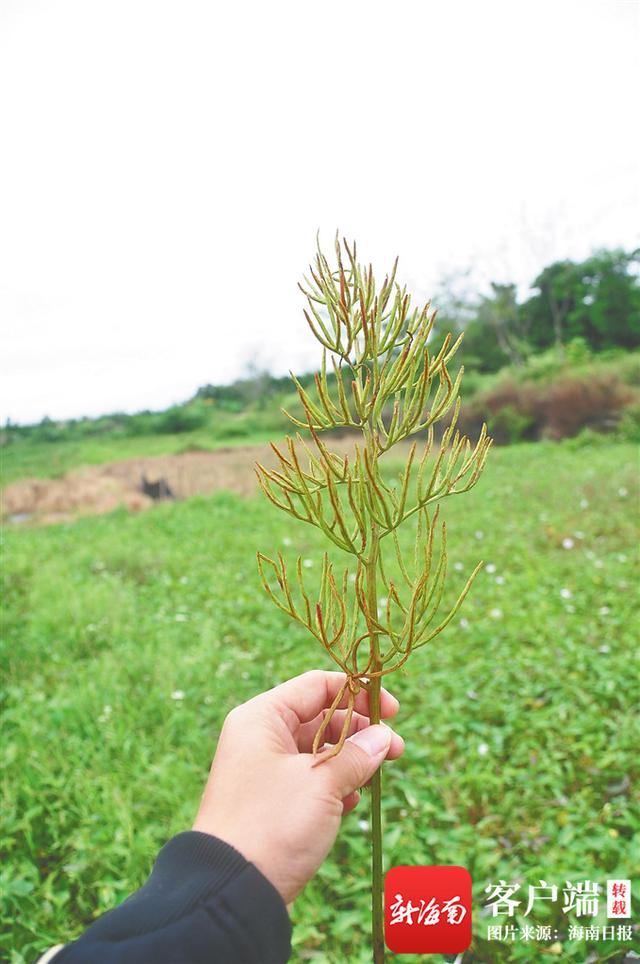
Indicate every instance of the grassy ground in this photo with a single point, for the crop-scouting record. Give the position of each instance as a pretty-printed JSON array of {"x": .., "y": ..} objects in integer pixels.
[
  {"x": 128, "y": 638},
  {"x": 46, "y": 460}
]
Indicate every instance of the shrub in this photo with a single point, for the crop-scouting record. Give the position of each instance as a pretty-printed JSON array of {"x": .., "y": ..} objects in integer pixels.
[
  {"x": 560, "y": 409},
  {"x": 180, "y": 418},
  {"x": 586, "y": 438},
  {"x": 578, "y": 351},
  {"x": 628, "y": 429},
  {"x": 510, "y": 425},
  {"x": 575, "y": 403}
]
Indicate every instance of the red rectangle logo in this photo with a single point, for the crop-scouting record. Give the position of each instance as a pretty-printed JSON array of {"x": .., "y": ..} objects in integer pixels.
[{"x": 427, "y": 910}]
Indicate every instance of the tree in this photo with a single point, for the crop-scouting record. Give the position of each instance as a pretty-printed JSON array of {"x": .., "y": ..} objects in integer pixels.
[
  {"x": 460, "y": 308},
  {"x": 501, "y": 313},
  {"x": 597, "y": 299}
]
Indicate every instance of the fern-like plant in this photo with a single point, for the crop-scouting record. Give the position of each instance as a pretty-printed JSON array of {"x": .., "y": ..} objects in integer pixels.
[{"x": 384, "y": 385}]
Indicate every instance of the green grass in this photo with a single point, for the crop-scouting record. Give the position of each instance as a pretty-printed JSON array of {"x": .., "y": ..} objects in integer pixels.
[
  {"x": 46, "y": 460},
  {"x": 107, "y": 617}
]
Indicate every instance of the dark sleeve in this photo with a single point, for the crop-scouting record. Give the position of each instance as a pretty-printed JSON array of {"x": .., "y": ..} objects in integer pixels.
[{"x": 203, "y": 904}]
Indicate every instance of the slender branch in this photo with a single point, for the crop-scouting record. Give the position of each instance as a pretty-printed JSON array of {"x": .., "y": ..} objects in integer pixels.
[{"x": 386, "y": 385}]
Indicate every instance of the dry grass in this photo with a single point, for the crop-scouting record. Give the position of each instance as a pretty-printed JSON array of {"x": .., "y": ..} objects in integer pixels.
[{"x": 98, "y": 489}]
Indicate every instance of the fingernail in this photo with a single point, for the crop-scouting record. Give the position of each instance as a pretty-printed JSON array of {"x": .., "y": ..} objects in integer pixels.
[{"x": 374, "y": 740}]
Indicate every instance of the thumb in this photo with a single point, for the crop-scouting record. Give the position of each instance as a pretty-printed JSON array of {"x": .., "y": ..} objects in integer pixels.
[{"x": 358, "y": 759}]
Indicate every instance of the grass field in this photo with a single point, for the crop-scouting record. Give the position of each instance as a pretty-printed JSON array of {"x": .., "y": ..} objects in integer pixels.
[
  {"x": 46, "y": 460},
  {"x": 127, "y": 639}
]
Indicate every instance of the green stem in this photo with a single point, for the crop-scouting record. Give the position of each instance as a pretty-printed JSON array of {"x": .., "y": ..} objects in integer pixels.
[{"x": 377, "y": 888}]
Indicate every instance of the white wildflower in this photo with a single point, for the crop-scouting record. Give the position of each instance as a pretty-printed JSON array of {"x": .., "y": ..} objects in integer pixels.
[
  {"x": 604, "y": 610},
  {"x": 495, "y": 613},
  {"x": 584, "y": 503},
  {"x": 604, "y": 649},
  {"x": 178, "y": 695},
  {"x": 483, "y": 749},
  {"x": 286, "y": 541},
  {"x": 479, "y": 534},
  {"x": 364, "y": 825},
  {"x": 490, "y": 567},
  {"x": 566, "y": 593},
  {"x": 500, "y": 580},
  {"x": 307, "y": 563},
  {"x": 181, "y": 617},
  {"x": 458, "y": 566},
  {"x": 622, "y": 492},
  {"x": 567, "y": 543},
  {"x": 464, "y": 623}
]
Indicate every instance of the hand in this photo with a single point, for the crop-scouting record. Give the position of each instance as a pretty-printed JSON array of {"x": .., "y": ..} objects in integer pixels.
[{"x": 264, "y": 796}]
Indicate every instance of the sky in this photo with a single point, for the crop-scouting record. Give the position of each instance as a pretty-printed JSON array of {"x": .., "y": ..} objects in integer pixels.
[{"x": 165, "y": 166}]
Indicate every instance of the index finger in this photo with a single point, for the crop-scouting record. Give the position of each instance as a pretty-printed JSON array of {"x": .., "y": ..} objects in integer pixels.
[{"x": 309, "y": 694}]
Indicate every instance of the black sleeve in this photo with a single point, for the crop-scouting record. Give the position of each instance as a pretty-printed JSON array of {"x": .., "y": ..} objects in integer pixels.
[{"x": 203, "y": 904}]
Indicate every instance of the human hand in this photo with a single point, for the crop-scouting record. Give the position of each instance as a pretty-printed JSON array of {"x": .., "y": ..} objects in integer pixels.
[{"x": 265, "y": 797}]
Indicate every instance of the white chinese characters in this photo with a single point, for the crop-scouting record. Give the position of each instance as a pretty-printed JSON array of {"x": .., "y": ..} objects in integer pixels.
[
  {"x": 406, "y": 912},
  {"x": 581, "y": 898}
]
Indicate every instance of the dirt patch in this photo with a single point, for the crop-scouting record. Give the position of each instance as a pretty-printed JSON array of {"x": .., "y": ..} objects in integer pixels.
[{"x": 97, "y": 489}]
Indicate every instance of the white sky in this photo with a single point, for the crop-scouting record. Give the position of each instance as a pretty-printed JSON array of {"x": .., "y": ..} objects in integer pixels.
[{"x": 164, "y": 167}]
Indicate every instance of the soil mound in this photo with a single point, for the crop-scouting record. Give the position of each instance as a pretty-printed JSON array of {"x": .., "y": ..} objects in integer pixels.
[{"x": 97, "y": 489}]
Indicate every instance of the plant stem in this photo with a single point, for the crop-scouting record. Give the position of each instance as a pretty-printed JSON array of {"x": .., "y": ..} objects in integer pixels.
[{"x": 377, "y": 890}]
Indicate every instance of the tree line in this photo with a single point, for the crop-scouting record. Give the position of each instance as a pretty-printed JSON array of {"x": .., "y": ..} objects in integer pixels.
[
  {"x": 575, "y": 307},
  {"x": 593, "y": 303}
]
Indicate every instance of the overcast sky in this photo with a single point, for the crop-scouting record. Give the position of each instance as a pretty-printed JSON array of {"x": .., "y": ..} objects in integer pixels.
[{"x": 164, "y": 167}]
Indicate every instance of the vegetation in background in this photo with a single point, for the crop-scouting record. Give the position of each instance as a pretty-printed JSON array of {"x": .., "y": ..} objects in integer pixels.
[
  {"x": 116, "y": 632},
  {"x": 582, "y": 323},
  {"x": 528, "y": 409},
  {"x": 594, "y": 304},
  {"x": 117, "y": 677}
]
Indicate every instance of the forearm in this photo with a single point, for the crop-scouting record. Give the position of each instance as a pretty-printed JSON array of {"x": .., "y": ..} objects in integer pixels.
[{"x": 203, "y": 903}]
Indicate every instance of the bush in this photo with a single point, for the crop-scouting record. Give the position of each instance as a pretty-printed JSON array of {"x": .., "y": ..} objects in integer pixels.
[
  {"x": 543, "y": 367},
  {"x": 510, "y": 425},
  {"x": 180, "y": 418},
  {"x": 578, "y": 351},
  {"x": 628, "y": 367},
  {"x": 530, "y": 410},
  {"x": 575, "y": 403},
  {"x": 587, "y": 438},
  {"x": 628, "y": 429}
]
